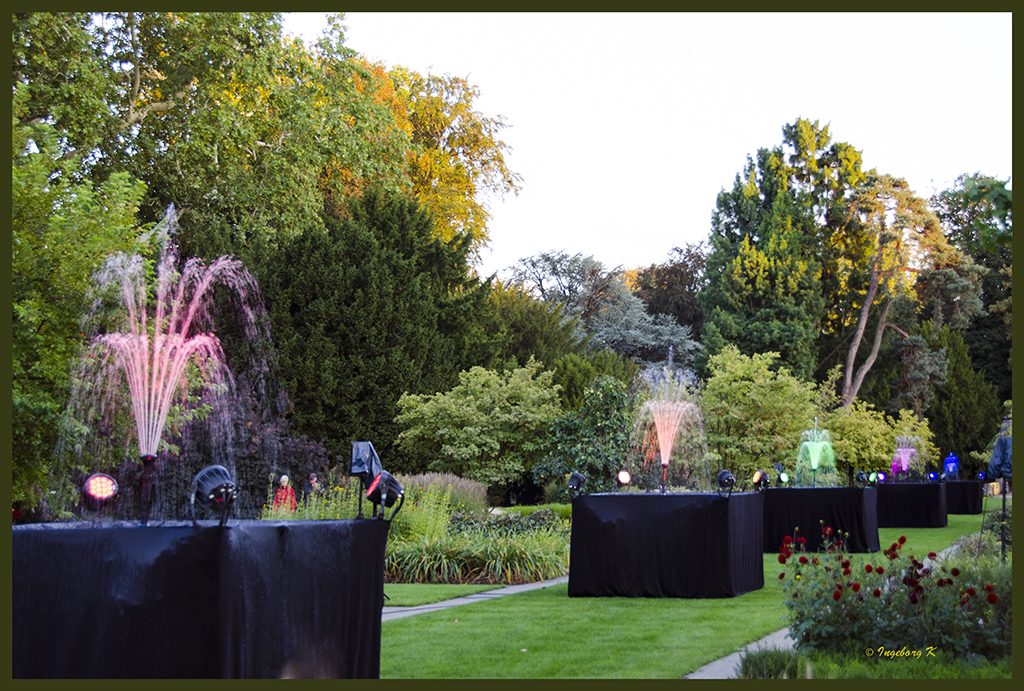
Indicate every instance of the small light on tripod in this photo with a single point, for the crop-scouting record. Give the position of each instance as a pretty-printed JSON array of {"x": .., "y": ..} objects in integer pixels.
[
  {"x": 726, "y": 480},
  {"x": 623, "y": 478},
  {"x": 760, "y": 480}
]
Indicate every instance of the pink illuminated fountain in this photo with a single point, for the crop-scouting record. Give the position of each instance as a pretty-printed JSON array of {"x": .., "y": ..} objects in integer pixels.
[
  {"x": 671, "y": 409},
  {"x": 162, "y": 342},
  {"x": 905, "y": 455}
]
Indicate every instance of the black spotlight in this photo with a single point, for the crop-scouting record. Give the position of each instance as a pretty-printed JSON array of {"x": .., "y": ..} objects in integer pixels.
[
  {"x": 726, "y": 480},
  {"x": 98, "y": 491},
  {"x": 214, "y": 487},
  {"x": 576, "y": 482},
  {"x": 380, "y": 486},
  {"x": 936, "y": 478},
  {"x": 623, "y": 478},
  {"x": 761, "y": 480},
  {"x": 862, "y": 479}
]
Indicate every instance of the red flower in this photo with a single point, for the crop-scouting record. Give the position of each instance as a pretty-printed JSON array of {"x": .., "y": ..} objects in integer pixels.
[
  {"x": 913, "y": 597},
  {"x": 801, "y": 540},
  {"x": 787, "y": 540},
  {"x": 16, "y": 514},
  {"x": 955, "y": 571},
  {"x": 867, "y": 568},
  {"x": 992, "y": 598},
  {"x": 903, "y": 539},
  {"x": 814, "y": 561},
  {"x": 845, "y": 563},
  {"x": 782, "y": 558},
  {"x": 932, "y": 555},
  {"x": 877, "y": 592},
  {"x": 972, "y": 592},
  {"x": 988, "y": 588},
  {"x": 803, "y": 559},
  {"x": 879, "y": 570},
  {"x": 782, "y": 575},
  {"x": 856, "y": 587},
  {"x": 836, "y": 595},
  {"x": 846, "y": 572}
]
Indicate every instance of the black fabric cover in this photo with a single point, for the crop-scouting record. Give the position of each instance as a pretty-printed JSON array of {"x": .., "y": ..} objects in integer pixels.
[
  {"x": 912, "y": 505},
  {"x": 844, "y": 509},
  {"x": 254, "y": 599},
  {"x": 963, "y": 497},
  {"x": 665, "y": 545}
]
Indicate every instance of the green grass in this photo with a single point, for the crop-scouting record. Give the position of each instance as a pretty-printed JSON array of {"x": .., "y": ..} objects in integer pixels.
[
  {"x": 415, "y": 594},
  {"x": 614, "y": 638},
  {"x": 575, "y": 638}
]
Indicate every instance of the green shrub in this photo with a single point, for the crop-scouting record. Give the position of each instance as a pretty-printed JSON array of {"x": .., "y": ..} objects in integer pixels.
[
  {"x": 424, "y": 514},
  {"x": 773, "y": 663},
  {"x": 508, "y": 524},
  {"x": 991, "y": 524},
  {"x": 562, "y": 510},
  {"x": 838, "y": 602}
]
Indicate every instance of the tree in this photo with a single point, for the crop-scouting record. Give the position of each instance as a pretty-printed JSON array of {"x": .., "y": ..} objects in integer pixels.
[
  {"x": 61, "y": 231},
  {"x": 965, "y": 411},
  {"x": 672, "y": 288},
  {"x": 923, "y": 370},
  {"x": 529, "y": 327},
  {"x": 367, "y": 311},
  {"x": 862, "y": 439},
  {"x": 487, "y": 428},
  {"x": 988, "y": 336},
  {"x": 593, "y": 440},
  {"x": 608, "y": 313},
  {"x": 763, "y": 291},
  {"x": 906, "y": 239},
  {"x": 456, "y": 158},
  {"x": 754, "y": 411}
]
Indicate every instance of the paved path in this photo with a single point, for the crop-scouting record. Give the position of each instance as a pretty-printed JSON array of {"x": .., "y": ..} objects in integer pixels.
[{"x": 399, "y": 612}]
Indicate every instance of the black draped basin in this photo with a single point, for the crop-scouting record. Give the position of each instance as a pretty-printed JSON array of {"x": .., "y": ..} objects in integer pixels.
[
  {"x": 844, "y": 509},
  {"x": 912, "y": 505},
  {"x": 685, "y": 545},
  {"x": 253, "y": 599},
  {"x": 964, "y": 497}
]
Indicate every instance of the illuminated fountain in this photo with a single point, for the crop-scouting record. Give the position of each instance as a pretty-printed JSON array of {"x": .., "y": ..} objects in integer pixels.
[
  {"x": 671, "y": 410},
  {"x": 161, "y": 343},
  {"x": 905, "y": 457},
  {"x": 815, "y": 458},
  {"x": 174, "y": 598}
]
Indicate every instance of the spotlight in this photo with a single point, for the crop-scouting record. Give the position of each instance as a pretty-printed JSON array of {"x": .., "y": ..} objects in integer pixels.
[
  {"x": 576, "y": 482},
  {"x": 726, "y": 480},
  {"x": 384, "y": 491},
  {"x": 381, "y": 488},
  {"x": 862, "y": 478},
  {"x": 215, "y": 488},
  {"x": 760, "y": 480},
  {"x": 981, "y": 476},
  {"x": 873, "y": 478},
  {"x": 783, "y": 479},
  {"x": 881, "y": 477},
  {"x": 936, "y": 478},
  {"x": 623, "y": 478},
  {"x": 98, "y": 491}
]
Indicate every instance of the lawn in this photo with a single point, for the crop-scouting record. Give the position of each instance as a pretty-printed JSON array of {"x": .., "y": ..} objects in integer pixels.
[{"x": 544, "y": 634}]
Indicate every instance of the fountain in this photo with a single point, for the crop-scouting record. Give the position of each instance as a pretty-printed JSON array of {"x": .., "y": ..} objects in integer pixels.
[
  {"x": 176, "y": 598},
  {"x": 905, "y": 457},
  {"x": 671, "y": 409},
  {"x": 816, "y": 500},
  {"x": 814, "y": 456},
  {"x": 688, "y": 544}
]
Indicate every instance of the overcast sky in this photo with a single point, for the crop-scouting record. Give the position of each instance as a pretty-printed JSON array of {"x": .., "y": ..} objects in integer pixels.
[{"x": 625, "y": 127}]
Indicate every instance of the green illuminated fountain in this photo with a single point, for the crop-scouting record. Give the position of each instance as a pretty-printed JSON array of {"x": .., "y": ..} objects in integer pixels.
[{"x": 815, "y": 462}]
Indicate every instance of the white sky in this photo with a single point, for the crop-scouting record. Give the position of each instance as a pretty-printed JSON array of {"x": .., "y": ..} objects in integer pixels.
[{"x": 625, "y": 127}]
